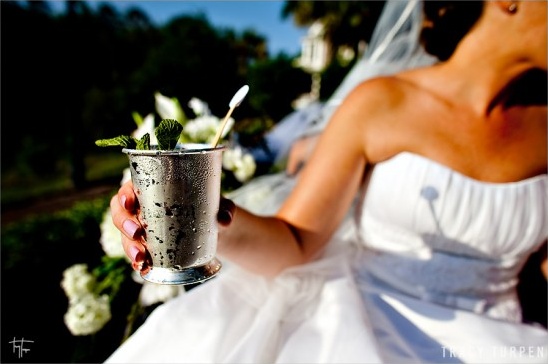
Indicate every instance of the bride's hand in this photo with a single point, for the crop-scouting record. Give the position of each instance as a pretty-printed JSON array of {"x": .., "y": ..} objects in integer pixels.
[{"x": 124, "y": 209}]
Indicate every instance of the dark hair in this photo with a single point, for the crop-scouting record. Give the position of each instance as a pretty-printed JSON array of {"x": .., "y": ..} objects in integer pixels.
[
  {"x": 446, "y": 23},
  {"x": 528, "y": 89}
]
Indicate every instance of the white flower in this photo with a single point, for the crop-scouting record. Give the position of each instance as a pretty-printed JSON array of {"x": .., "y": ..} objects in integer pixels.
[
  {"x": 152, "y": 293},
  {"x": 111, "y": 238},
  {"x": 199, "y": 107},
  {"x": 88, "y": 314},
  {"x": 145, "y": 126},
  {"x": 204, "y": 128},
  {"x": 241, "y": 164},
  {"x": 169, "y": 108},
  {"x": 77, "y": 281},
  {"x": 245, "y": 170}
]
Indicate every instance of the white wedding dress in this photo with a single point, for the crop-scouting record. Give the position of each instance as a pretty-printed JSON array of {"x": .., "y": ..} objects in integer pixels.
[{"x": 424, "y": 272}]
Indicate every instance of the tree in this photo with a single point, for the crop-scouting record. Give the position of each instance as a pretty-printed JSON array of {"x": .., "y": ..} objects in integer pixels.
[
  {"x": 347, "y": 23},
  {"x": 79, "y": 75},
  {"x": 278, "y": 83}
]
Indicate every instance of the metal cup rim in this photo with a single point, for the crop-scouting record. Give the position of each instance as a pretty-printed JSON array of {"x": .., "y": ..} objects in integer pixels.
[{"x": 186, "y": 148}]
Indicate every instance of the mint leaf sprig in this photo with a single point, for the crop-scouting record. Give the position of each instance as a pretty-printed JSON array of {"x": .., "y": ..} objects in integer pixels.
[
  {"x": 168, "y": 133},
  {"x": 123, "y": 141}
]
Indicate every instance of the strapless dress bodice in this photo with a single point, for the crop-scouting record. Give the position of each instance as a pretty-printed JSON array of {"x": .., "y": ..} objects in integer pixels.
[{"x": 442, "y": 236}]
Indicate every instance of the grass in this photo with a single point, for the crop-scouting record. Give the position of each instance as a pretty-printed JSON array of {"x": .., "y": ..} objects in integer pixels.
[
  {"x": 17, "y": 188},
  {"x": 105, "y": 165}
]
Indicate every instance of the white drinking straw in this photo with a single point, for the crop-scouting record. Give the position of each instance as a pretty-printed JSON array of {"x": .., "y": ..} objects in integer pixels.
[{"x": 236, "y": 100}]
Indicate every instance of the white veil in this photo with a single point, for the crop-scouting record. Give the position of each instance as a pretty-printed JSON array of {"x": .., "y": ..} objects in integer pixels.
[{"x": 394, "y": 46}]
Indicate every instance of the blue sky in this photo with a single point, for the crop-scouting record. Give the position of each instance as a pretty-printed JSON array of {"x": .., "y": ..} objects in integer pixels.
[{"x": 262, "y": 16}]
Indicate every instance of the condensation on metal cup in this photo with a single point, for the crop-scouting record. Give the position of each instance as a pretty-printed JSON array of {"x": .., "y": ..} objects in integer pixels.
[{"x": 178, "y": 193}]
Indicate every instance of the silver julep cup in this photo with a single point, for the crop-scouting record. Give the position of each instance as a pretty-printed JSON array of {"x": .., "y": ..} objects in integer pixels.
[{"x": 178, "y": 193}]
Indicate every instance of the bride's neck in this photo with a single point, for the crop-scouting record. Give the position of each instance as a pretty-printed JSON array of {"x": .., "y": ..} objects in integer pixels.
[
  {"x": 480, "y": 81},
  {"x": 482, "y": 68}
]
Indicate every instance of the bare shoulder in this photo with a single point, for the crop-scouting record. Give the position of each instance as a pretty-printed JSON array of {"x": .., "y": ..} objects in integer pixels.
[
  {"x": 384, "y": 110},
  {"x": 381, "y": 91},
  {"x": 384, "y": 99}
]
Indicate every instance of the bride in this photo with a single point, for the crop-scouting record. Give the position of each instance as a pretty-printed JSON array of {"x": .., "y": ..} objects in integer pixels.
[{"x": 443, "y": 168}]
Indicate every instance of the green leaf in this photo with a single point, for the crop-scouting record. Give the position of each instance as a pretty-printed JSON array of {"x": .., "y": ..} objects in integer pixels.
[
  {"x": 110, "y": 275},
  {"x": 123, "y": 141},
  {"x": 137, "y": 118},
  {"x": 168, "y": 133},
  {"x": 144, "y": 142}
]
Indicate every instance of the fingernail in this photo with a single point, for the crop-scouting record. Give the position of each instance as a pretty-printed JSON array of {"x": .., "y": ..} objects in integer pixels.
[
  {"x": 123, "y": 201},
  {"x": 224, "y": 216},
  {"x": 130, "y": 227},
  {"x": 133, "y": 251}
]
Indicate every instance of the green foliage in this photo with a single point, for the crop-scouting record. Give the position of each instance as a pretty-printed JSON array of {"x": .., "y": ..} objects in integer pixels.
[
  {"x": 109, "y": 67},
  {"x": 23, "y": 241},
  {"x": 126, "y": 141},
  {"x": 279, "y": 83},
  {"x": 35, "y": 252},
  {"x": 168, "y": 134},
  {"x": 143, "y": 143},
  {"x": 110, "y": 275},
  {"x": 123, "y": 141},
  {"x": 346, "y": 22}
]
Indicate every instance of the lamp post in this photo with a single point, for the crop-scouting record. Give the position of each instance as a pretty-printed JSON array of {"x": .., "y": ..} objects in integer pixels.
[{"x": 315, "y": 56}]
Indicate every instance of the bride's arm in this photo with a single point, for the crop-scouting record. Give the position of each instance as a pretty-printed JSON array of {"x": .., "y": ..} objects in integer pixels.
[
  {"x": 308, "y": 218},
  {"x": 299, "y": 153},
  {"x": 325, "y": 189}
]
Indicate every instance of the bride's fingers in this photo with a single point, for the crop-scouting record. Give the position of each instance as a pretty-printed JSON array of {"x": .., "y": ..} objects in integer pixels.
[
  {"x": 135, "y": 251},
  {"x": 127, "y": 197},
  {"x": 226, "y": 211},
  {"x": 124, "y": 220},
  {"x": 123, "y": 207}
]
